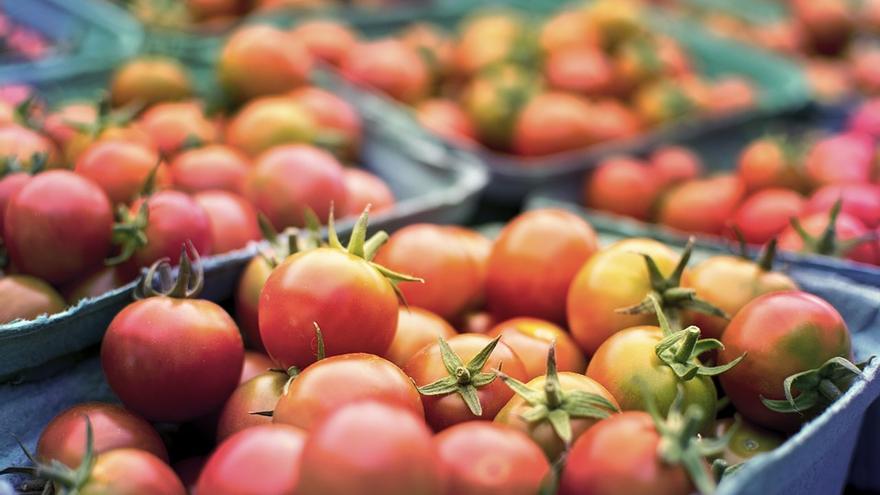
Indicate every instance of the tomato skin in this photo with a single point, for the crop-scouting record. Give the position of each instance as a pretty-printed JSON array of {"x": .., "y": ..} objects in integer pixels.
[
  {"x": 765, "y": 214},
  {"x": 828, "y": 25},
  {"x": 747, "y": 441},
  {"x": 622, "y": 185},
  {"x": 331, "y": 288},
  {"x": 839, "y": 159},
  {"x": 405, "y": 462},
  {"x": 531, "y": 339},
  {"x": 567, "y": 29},
  {"x": 764, "y": 164},
  {"x": 64, "y": 438},
  {"x": 437, "y": 254},
  {"x": 363, "y": 189},
  {"x": 94, "y": 285},
  {"x": 553, "y": 122},
  {"x": 702, "y": 206},
  {"x": 447, "y": 119},
  {"x": 258, "y": 394},
  {"x": 212, "y": 167},
  {"x": 416, "y": 328},
  {"x": 865, "y": 119},
  {"x": 331, "y": 383},
  {"x": 730, "y": 94},
  {"x": 618, "y": 456},
  {"x": 149, "y": 359},
  {"x": 541, "y": 432},
  {"x": 263, "y": 123},
  {"x": 325, "y": 39},
  {"x": 783, "y": 333},
  {"x": 121, "y": 168},
  {"x": 673, "y": 164},
  {"x": 615, "y": 277},
  {"x": 847, "y": 227},
  {"x": 261, "y": 60},
  {"x": 534, "y": 261},
  {"x": 27, "y": 297},
  {"x": 233, "y": 220},
  {"x": 58, "y": 208},
  {"x": 580, "y": 69},
  {"x": 171, "y": 124},
  {"x": 287, "y": 179},
  {"x": 443, "y": 411},
  {"x": 148, "y": 80},
  {"x": 255, "y": 363},
  {"x": 494, "y": 100},
  {"x": 483, "y": 458},
  {"x": 131, "y": 472},
  {"x": 21, "y": 142},
  {"x": 9, "y": 185},
  {"x": 484, "y": 40},
  {"x": 247, "y": 300},
  {"x": 390, "y": 66},
  {"x": 859, "y": 200},
  {"x": 333, "y": 115}
]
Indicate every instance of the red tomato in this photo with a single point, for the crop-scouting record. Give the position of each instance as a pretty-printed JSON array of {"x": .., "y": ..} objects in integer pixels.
[
  {"x": 731, "y": 94},
  {"x": 612, "y": 120},
  {"x": 554, "y": 122},
  {"x": 336, "y": 119},
  {"x": 843, "y": 158},
  {"x": 765, "y": 214},
  {"x": 434, "y": 46},
  {"x": 288, "y": 179},
  {"x": 121, "y": 168},
  {"x": 865, "y": 119},
  {"x": 59, "y": 125},
  {"x": 233, "y": 220},
  {"x": 259, "y": 60},
  {"x": 862, "y": 201},
  {"x": 97, "y": 284},
  {"x": 580, "y": 69},
  {"x": 782, "y": 333},
  {"x": 342, "y": 454},
  {"x": 325, "y": 39},
  {"x": 212, "y": 167},
  {"x": 416, "y": 328},
  {"x": 255, "y": 363},
  {"x": 331, "y": 383},
  {"x": 702, "y": 206},
  {"x": 568, "y": 28},
  {"x": 259, "y": 394},
  {"x": 365, "y": 189},
  {"x": 443, "y": 258},
  {"x": 148, "y": 80},
  {"x": 9, "y": 185},
  {"x": 846, "y": 229},
  {"x": 247, "y": 299},
  {"x": 53, "y": 210},
  {"x": 131, "y": 472},
  {"x": 22, "y": 143},
  {"x": 390, "y": 66},
  {"x": 261, "y": 460},
  {"x": 443, "y": 411},
  {"x": 770, "y": 163},
  {"x": 673, "y": 164},
  {"x": 447, "y": 119},
  {"x": 486, "y": 39},
  {"x": 64, "y": 438},
  {"x": 483, "y": 458},
  {"x": 172, "y": 124},
  {"x": 622, "y": 185},
  {"x": 534, "y": 261},
  {"x": 27, "y": 297},
  {"x": 531, "y": 339},
  {"x": 265, "y": 122}
]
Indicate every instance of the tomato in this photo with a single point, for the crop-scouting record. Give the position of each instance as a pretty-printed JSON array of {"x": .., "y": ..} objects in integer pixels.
[
  {"x": 663, "y": 101},
  {"x": 439, "y": 255},
  {"x": 416, "y": 328},
  {"x": 580, "y": 69},
  {"x": 533, "y": 262},
  {"x": 843, "y": 158},
  {"x": 447, "y": 119},
  {"x": 333, "y": 382},
  {"x": 61, "y": 125},
  {"x": 830, "y": 81},
  {"x": 270, "y": 121},
  {"x": 27, "y": 297},
  {"x": 449, "y": 407},
  {"x": 212, "y": 167},
  {"x": 624, "y": 186},
  {"x": 731, "y": 94},
  {"x": 480, "y": 247},
  {"x": 288, "y": 179},
  {"x": 337, "y": 120},
  {"x": 747, "y": 441},
  {"x": 233, "y": 220},
  {"x": 612, "y": 120},
  {"x": 568, "y": 28},
  {"x": 531, "y": 339},
  {"x": 260, "y": 60},
  {"x": 702, "y": 206},
  {"x": 58, "y": 208},
  {"x": 171, "y": 359},
  {"x": 850, "y": 238},
  {"x": 148, "y": 80},
  {"x": 255, "y": 363},
  {"x": 172, "y": 124},
  {"x": 97, "y": 284},
  {"x": 672, "y": 164},
  {"x": 865, "y": 119},
  {"x": 782, "y": 333},
  {"x": 64, "y": 438},
  {"x": 488, "y": 39},
  {"x": 729, "y": 283},
  {"x": 782, "y": 35},
  {"x": 636, "y": 63},
  {"x": 483, "y": 458},
  {"x": 365, "y": 189},
  {"x": 325, "y": 39},
  {"x": 121, "y": 168},
  {"x": 131, "y": 472},
  {"x": 770, "y": 163},
  {"x": 247, "y": 298},
  {"x": 262, "y": 460},
  {"x": 862, "y": 201},
  {"x": 9, "y": 185},
  {"x": 828, "y": 24},
  {"x": 22, "y": 143},
  {"x": 765, "y": 214},
  {"x": 494, "y": 99},
  {"x": 433, "y": 45},
  {"x": 258, "y": 394},
  {"x": 390, "y": 66},
  {"x": 613, "y": 278},
  {"x": 80, "y": 142},
  {"x": 553, "y": 122}
]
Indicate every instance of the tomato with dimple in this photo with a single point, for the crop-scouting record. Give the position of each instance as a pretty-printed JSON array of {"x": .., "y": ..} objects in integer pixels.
[
  {"x": 172, "y": 124},
  {"x": 233, "y": 220},
  {"x": 210, "y": 168},
  {"x": 365, "y": 189},
  {"x": 622, "y": 185},
  {"x": 766, "y": 213},
  {"x": 747, "y": 441},
  {"x": 121, "y": 168},
  {"x": 416, "y": 328},
  {"x": 531, "y": 339},
  {"x": 261, "y": 60},
  {"x": 259, "y": 394},
  {"x": 702, "y": 206},
  {"x": 27, "y": 297}
]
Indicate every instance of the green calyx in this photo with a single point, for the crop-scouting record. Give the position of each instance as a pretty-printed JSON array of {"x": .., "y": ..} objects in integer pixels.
[
  {"x": 190, "y": 277},
  {"x": 827, "y": 242},
  {"x": 817, "y": 388},
  {"x": 293, "y": 372},
  {"x": 768, "y": 253},
  {"x": 464, "y": 379},
  {"x": 108, "y": 117},
  {"x": 681, "y": 350},
  {"x": 129, "y": 232},
  {"x": 671, "y": 297},
  {"x": 11, "y": 164},
  {"x": 557, "y": 406},
  {"x": 291, "y": 241}
]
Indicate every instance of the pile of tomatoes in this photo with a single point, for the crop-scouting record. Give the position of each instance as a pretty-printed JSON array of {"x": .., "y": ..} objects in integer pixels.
[
  {"x": 815, "y": 194},
  {"x": 537, "y": 362}
]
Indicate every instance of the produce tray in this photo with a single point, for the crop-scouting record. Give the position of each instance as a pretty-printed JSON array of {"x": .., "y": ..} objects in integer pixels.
[{"x": 92, "y": 38}]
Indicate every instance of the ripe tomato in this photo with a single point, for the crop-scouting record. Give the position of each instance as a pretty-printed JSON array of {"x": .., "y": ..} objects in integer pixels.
[
  {"x": 433, "y": 45},
  {"x": 98, "y": 283},
  {"x": 612, "y": 120},
  {"x": 482, "y": 458},
  {"x": 233, "y": 220},
  {"x": 494, "y": 100},
  {"x": 770, "y": 163},
  {"x": 782, "y": 333},
  {"x": 828, "y": 25},
  {"x": 622, "y": 185},
  {"x": 255, "y": 363},
  {"x": 568, "y": 28},
  {"x": 365, "y": 189},
  {"x": 338, "y": 122},
  {"x": 447, "y": 119},
  {"x": 80, "y": 142},
  {"x": 440, "y": 256},
  {"x": 488, "y": 39},
  {"x": 730, "y": 94},
  {"x": 765, "y": 214},
  {"x": 172, "y": 124},
  {"x": 341, "y": 454},
  {"x": 259, "y": 394},
  {"x": 531, "y": 339},
  {"x": 580, "y": 69},
  {"x": 849, "y": 238},
  {"x": 534, "y": 261},
  {"x": 553, "y": 122},
  {"x": 702, "y": 206},
  {"x": 327, "y": 40},
  {"x": 148, "y": 80},
  {"x": 390, "y": 66},
  {"x": 862, "y": 201},
  {"x": 131, "y": 472},
  {"x": 61, "y": 125},
  {"x": 64, "y": 438},
  {"x": 429, "y": 366},
  {"x": 331, "y": 383},
  {"x": 9, "y": 185},
  {"x": 23, "y": 143},
  {"x": 212, "y": 167},
  {"x": 288, "y": 179},
  {"x": 416, "y": 328},
  {"x": 673, "y": 164},
  {"x": 54, "y": 209},
  {"x": 265, "y": 122},
  {"x": 260, "y": 60},
  {"x": 842, "y": 158},
  {"x": 865, "y": 119},
  {"x": 121, "y": 168},
  {"x": 27, "y": 297},
  {"x": 262, "y": 460},
  {"x": 247, "y": 299}
]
